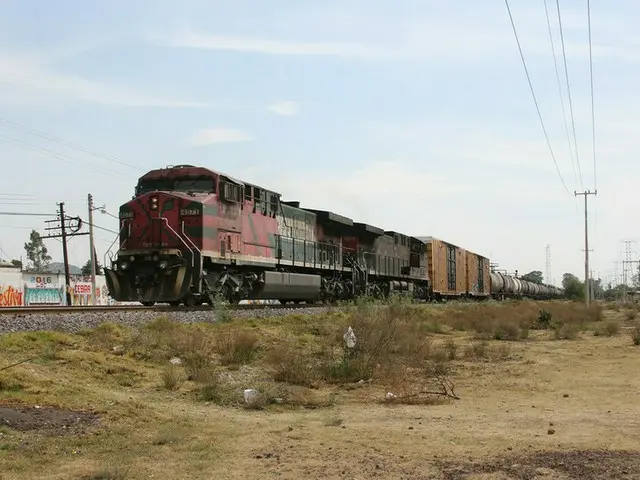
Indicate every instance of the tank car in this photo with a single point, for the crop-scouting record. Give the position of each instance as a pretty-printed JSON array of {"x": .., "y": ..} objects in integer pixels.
[
  {"x": 508, "y": 286},
  {"x": 191, "y": 234}
]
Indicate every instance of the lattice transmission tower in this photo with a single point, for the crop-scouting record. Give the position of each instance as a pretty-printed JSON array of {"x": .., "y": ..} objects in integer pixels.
[{"x": 548, "y": 265}]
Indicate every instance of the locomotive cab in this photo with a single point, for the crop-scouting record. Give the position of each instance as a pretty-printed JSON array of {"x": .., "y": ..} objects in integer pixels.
[{"x": 160, "y": 257}]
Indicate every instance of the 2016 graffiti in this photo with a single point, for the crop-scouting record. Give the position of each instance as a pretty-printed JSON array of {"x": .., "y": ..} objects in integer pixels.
[
  {"x": 10, "y": 297},
  {"x": 41, "y": 281}
]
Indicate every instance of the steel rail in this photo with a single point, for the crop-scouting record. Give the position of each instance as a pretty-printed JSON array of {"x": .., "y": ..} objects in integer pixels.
[{"x": 60, "y": 309}]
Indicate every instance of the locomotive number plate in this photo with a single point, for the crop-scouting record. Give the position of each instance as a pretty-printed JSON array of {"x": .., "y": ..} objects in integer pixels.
[{"x": 185, "y": 212}]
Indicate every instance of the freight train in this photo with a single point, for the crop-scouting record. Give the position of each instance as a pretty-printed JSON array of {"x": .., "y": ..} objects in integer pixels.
[{"x": 191, "y": 235}]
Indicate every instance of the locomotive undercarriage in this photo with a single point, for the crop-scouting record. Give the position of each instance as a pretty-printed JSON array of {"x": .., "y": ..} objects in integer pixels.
[{"x": 234, "y": 284}]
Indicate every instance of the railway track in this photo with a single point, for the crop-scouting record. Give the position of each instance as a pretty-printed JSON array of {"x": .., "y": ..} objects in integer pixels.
[{"x": 57, "y": 309}]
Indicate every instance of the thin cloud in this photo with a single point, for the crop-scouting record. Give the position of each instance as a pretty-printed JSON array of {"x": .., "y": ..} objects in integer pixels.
[
  {"x": 21, "y": 75},
  {"x": 267, "y": 46},
  {"x": 286, "y": 108},
  {"x": 211, "y": 136}
]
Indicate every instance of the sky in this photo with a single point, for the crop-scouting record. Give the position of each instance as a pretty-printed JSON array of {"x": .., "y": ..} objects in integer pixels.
[{"x": 414, "y": 116}]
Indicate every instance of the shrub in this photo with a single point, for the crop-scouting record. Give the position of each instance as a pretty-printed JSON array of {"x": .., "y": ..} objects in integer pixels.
[
  {"x": 544, "y": 320},
  {"x": 290, "y": 367},
  {"x": 236, "y": 347},
  {"x": 451, "y": 348},
  {"x": 500, "y": 352},
  {"x": 476, "y": 350},
  {"x": 609, "y": 329},
  {"x": 635, "y": 336},
  {"x": 171, "y": 377},
  {"x": 565, "y": 331}
]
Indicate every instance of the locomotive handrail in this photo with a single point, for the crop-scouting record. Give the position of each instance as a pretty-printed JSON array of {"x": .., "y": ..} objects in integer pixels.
[
  {"x": 166, "y": 222},
  {"x": 108, "y": 252},
  {"x": 195, "y": 247}
]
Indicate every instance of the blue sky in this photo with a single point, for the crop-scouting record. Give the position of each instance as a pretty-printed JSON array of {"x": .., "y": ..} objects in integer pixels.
[{"x": 410, "y": 115}]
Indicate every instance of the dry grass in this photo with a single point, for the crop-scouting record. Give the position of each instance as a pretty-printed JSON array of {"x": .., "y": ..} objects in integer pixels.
[
  {"x": 509, "y": 365},
  {"x": 236, "y": 347}
]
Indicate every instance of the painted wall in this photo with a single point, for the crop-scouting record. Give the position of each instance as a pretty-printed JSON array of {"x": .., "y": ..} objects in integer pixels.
[
  {"x": 23, "y": 288},
  {"x": 11, "y": 291}
]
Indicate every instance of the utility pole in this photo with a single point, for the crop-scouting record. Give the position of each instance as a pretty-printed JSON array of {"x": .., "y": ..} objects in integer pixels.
[
  {"x": 93, "y": 251},
  {"x": 64, "y": 225},
  {"x": 586, "y": 193}
]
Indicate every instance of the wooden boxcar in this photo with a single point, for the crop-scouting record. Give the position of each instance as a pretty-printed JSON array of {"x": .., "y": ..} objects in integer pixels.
[
  {"x": 447, "y": 268},
  {"x": 478, "y": 275}
]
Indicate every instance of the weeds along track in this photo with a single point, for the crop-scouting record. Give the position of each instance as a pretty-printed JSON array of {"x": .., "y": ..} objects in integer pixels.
[{"x": 74, "y": 319}]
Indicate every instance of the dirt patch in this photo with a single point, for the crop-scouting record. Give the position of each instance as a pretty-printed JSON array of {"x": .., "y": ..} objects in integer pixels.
[
  {"x": 46, "y": 419},
  {"x": 582, "y": 465}
]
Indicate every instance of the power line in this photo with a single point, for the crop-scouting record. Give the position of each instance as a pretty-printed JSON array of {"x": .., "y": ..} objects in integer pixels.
[
  {"x": 564, "y": 112},
  {"x": 566, "y": 75},
  {"x": 61, "y": 156},
  {"x": 533, "y": 94},
  {"x": 53, "y": 138},
  {"x": 593, "y": 116},
  {"x": 27, "y": 214}
]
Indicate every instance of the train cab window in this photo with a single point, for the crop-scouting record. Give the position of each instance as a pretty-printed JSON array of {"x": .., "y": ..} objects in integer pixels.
[
  {"x": 257, "y": 194},
  {"x": 248, "y": 193},
  {"x": 196, "y": 185},
  {"x": 395, "y": 239},
  {"x": 185, "y": 184}
]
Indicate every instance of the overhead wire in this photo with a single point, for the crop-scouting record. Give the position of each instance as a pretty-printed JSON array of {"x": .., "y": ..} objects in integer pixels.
[
  {"x": 29, "y": 214},
  {"x": 61, "y": 140},
  {"x": 593, "y": 115},
  {"x": 566, "y": 74},
  {"x": 533, "y": 94},
  {"x": 564, "y": 112},
  {"x": 61, "y": 156}
]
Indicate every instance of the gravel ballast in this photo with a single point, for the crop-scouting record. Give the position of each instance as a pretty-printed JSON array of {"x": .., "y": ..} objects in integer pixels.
[{"x": 74, "y": 322}]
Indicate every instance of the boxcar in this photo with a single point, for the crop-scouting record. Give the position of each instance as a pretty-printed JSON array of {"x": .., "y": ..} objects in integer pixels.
[
  {"x": 478, "y": 279},
  {"x": 446, "y": 264}
]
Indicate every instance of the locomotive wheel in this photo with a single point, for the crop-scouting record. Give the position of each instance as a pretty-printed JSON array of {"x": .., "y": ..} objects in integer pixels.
[{"x": 190, "y": 301}]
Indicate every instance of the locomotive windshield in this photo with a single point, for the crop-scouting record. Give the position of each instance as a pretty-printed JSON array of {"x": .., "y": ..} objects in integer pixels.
[{"x": 185, "y": 184}]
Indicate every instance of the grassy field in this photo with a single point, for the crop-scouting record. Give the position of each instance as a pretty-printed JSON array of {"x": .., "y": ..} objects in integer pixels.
[{"x": 479, "y": 391}]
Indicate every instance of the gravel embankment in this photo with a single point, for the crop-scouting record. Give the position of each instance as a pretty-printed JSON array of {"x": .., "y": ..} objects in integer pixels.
[{"x": 74, "y": 322}]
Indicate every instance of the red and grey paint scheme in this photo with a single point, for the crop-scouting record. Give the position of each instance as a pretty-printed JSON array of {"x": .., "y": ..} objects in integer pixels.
[{"x": 191, "y": 234}]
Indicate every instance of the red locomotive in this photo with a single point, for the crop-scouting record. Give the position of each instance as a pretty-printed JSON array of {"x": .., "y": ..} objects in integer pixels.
[{"x": 191, "y": 234}]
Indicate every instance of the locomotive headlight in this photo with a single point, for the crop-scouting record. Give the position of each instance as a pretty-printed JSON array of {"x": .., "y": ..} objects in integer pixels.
[
  {"x": 154, "y": 203},
  {"x": 124, "y": 265},
  {"x": 132, "y": 258},
  {"x": 156, "y": 258},
  {"x": 163, "y": 265}
]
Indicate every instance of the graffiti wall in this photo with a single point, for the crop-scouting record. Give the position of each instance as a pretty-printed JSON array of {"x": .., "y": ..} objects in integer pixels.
[
  {"x": 23, "y": 288},
  {"x": 11, "y": 294}
]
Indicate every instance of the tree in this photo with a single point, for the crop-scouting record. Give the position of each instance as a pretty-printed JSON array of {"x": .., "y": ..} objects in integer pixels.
[
  {"x": 86, "y": 268},
  {"x": 533, "y": 277},
  {"x": 37, "y": 252},
  {"x": 16, "y": 263},
  {"x": 573, "y": 287}
]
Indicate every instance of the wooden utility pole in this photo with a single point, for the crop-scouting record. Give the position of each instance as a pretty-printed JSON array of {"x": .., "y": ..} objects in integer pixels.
[
  {"x": 92, "y": 248},
  {"x": 64, "y": 225},
  {"x": 587, "y": 288}
]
